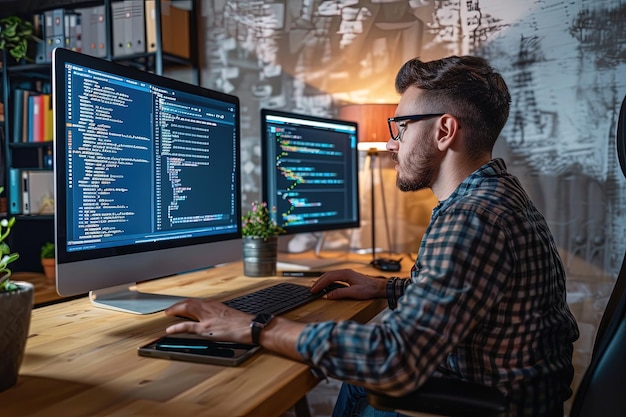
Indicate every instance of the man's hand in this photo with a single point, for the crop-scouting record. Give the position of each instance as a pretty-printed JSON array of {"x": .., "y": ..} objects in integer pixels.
[
  {"x": 214, "y": 321},
  {"x": 219, "y": 322},
  {"x": 362, "y": 287}
]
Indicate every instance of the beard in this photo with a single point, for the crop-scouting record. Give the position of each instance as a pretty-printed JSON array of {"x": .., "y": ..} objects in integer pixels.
[{"x": 417, "y": 169}]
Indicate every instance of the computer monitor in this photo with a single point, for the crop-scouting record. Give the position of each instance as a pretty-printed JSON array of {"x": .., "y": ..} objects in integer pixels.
[
  {"x": 310, "y": 175},
  {"x": 147, "y": 180}
]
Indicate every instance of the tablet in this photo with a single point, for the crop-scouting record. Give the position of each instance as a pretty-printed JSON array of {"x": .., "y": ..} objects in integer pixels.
[{"x": 194, "y": 348}]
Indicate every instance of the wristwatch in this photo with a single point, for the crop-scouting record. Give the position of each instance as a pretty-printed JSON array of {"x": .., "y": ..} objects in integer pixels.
[{"x": 257, "y": 324}]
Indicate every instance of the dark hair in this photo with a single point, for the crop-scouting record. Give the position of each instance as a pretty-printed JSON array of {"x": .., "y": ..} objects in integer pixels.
[{"x": 466, "y": 87}]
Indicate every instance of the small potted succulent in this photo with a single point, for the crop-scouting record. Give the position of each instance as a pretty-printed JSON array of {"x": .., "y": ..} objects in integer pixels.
[
  {"x": 48, "y": 261},
  {"x": 15, "y": 34},
  {"x": 260, "y": 241},
  {"x": 16, "y": 303}
]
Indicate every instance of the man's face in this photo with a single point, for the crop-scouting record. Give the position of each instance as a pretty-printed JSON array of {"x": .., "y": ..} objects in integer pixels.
[{"x": 415, "y": 154}]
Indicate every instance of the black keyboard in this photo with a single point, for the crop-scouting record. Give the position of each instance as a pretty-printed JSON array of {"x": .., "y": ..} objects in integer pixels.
[{"x": 276, "y": 299}]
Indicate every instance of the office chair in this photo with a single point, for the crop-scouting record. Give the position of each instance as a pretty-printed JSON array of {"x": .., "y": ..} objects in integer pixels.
[{"x": 600, "y": 393}]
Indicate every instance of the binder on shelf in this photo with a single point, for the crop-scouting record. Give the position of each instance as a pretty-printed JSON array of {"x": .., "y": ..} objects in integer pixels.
[
  {"x": 24, "y": 189},
  {"x": 93, "y": 31},
  {"x": 175, "y": 30},
  {"x": 37, "y": 192},
  {"x": 40, "y": 46},
  {"x": 48, "y": 24},
  {"x": 150, "y": 14},
  {"x": 15, "y": 191},
  {"x": 138, "y": 27},
  {"x": 54, "y": 30},
  {"x": 72, "y": 31},
  {"x": 128, "y": 27}
]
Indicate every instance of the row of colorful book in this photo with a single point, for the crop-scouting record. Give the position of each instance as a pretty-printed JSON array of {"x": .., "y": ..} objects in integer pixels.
[{"x": 32, "y": 116}]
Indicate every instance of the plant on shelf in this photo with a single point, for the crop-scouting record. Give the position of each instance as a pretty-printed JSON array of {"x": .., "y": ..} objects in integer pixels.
[
  {"x": 15, "y": 33},
  {"x": 48, "y": 261},
  {"x": 47, "y": 250},
  {"x": 257, "y": 223},
  {"x": 16, "y": 303},
  {"x": 260, "y": 241}
]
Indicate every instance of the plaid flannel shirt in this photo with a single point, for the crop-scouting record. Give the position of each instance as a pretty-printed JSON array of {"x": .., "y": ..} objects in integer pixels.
[{"x": 486, "y": 302}]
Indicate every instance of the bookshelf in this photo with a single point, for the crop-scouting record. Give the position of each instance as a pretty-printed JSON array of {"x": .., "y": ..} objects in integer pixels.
[{"x": 144, "y": 43}]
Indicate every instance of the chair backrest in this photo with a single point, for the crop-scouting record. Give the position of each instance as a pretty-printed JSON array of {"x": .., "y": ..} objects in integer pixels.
[
  {"x": 621, "y": 137},
  {"x": 601, "y": 392}
]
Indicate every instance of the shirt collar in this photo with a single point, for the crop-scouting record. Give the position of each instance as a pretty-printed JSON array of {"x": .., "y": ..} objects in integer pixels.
[{"x": 494, "y": 168}]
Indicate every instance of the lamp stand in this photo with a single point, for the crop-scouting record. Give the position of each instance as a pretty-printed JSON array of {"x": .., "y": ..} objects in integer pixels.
[
  {"x": 373, "y": 153},
  {"x": 384, "y": 264}
]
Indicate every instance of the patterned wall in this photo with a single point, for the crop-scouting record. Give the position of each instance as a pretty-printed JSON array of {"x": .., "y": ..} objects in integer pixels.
[{"x": 564, "y": 61}]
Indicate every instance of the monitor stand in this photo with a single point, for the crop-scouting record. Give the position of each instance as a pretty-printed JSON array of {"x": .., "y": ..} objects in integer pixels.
[
  {"x": 302, "y": 262},
  {"x": 125, "y": 298}
]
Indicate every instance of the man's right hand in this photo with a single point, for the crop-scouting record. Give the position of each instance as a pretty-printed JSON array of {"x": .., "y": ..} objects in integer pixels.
[{"x": 361, "y": 286}]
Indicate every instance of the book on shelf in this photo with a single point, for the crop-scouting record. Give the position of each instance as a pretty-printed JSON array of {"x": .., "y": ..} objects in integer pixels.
[
  {"x": 48, "y": 133},
  {"x": 15, "y": 191},
  {"x": 31, "y": 116},
  {"x": 20, "y": 115},
  {"x": 35, "y": 117}
]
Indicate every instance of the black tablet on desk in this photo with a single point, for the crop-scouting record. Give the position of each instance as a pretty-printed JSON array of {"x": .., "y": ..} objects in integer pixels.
[{"x": 193, "y": 348}]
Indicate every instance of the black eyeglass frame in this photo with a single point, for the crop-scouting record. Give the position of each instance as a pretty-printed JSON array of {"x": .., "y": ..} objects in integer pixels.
[{"x": 411, "y": 118}]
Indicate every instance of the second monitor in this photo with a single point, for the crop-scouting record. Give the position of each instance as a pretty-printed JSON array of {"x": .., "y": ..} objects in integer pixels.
[{"x": 310, "y": 172}]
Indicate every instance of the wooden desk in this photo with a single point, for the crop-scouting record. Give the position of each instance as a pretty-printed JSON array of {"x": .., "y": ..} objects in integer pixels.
[{"x": 82, "y": 361}]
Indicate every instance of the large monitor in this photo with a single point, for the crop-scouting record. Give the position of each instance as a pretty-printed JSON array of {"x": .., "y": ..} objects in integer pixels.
[
  {"x": 147, "y": 180},
  {"x": 310, "y": 174}
]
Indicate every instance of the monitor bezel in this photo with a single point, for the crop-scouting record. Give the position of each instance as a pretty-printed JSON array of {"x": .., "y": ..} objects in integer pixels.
[{"x": 73, "y": 261}]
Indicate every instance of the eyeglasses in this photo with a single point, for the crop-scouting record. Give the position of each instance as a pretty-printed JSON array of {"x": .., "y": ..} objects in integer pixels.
[{"x": 398, "y": 124}]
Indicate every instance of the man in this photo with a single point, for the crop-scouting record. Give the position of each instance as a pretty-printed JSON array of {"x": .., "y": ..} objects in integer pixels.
[{"x": 486, "y": 300}]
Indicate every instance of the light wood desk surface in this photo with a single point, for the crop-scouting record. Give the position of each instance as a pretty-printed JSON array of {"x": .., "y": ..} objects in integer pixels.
[{"x": 82, "y": 361}]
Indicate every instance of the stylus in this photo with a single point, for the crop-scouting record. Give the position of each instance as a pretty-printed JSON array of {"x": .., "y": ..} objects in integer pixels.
[{"x": 302, "y": 273}]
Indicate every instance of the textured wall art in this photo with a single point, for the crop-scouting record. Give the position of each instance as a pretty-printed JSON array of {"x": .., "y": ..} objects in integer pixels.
[{"x": 564, "y": 62}]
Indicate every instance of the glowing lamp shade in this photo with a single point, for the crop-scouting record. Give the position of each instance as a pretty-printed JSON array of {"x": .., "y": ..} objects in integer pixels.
[{"x": 372, "y": 120}]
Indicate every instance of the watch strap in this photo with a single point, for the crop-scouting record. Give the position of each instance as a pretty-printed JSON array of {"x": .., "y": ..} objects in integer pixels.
[{"x": 257, "y": 324}]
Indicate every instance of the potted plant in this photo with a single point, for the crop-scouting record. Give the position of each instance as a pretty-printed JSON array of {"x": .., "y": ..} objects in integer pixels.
[
  {"x": 16, "y": 303},
  {"x": 48, "y": 262},
  {"x": 260, "y": 241},
  {"x": 15, "y": 33}
]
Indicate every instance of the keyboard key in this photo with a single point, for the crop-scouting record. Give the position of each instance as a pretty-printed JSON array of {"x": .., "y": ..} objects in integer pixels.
[{"x": 276, "y": 299}]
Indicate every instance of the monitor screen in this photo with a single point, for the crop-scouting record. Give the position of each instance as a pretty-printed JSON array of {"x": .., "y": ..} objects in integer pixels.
[
  {"x": 147, "y": 179},
  {"x": 310, "y": 171}
]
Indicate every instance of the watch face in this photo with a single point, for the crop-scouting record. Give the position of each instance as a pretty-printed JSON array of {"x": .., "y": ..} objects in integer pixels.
[{"x": 263, "y": 318}]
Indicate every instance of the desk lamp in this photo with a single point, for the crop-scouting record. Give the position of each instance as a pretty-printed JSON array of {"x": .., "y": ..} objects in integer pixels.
[{"x": 373, "y": 137}]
